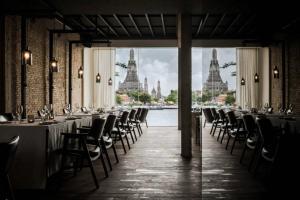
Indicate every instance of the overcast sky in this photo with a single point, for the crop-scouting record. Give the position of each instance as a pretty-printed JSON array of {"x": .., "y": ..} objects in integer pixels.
[{"x": 162, "y": 64}]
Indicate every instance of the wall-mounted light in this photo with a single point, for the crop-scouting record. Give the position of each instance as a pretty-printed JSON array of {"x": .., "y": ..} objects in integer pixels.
[
  {"x": 109, "y": 81},
  {"x": 80, "y": 72},
  {"x": 256, "y": 78},
  {"x": 26, "y": 57},
  {"x": 276, "y": 72},
  {"x": 53, "y": 64},
  {"x": 243, "y": 81},
  {"x": 98, "y": 78}
]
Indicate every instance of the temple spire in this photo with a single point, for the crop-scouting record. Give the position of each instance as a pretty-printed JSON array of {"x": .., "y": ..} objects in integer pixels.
[
  {"x": 131, "y": 56},
  {"x": 214, "y": 54}
]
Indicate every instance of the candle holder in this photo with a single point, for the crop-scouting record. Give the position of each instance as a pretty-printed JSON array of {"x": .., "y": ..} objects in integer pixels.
[{"x": 30, "y": 118}]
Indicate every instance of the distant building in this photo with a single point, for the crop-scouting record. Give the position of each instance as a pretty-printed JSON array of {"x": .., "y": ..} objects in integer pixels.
[
  {"x": 146, "y": 85},
  {"x": 131, "y": 82},
  {"x": 153, "y": 93},
  {"x": 214, "y": 83},
  {"x": 158, "y": 94}
]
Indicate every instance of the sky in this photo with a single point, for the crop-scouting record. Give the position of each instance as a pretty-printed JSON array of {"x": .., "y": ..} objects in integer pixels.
[{"x": 162, "y": 64}]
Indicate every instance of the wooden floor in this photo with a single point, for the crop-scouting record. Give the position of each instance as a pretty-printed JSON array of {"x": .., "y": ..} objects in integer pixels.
[
  {"x": 223, "y": 177},
  {"x": 154, "y": 169}
]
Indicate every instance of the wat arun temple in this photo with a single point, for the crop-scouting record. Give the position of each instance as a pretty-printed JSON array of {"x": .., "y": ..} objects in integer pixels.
[
  {"x": 132, "y": 82},
  {"x": 214, "y": 83}
]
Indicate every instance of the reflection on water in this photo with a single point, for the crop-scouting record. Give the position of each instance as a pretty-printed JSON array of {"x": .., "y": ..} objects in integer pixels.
[{"x": 165, "y": 117}]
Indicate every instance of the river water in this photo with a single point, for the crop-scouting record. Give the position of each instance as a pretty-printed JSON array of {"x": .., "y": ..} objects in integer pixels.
[{"x": 165, "y": 117}]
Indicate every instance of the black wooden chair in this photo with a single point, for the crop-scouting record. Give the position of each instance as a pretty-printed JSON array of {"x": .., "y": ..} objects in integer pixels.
[
  {"x": 252, "y": 139},
  {"x": 269, "y": 143},
  {"x": 107, "y": 139},
  {"x": 83, "y": 151},
  {"x": 208, "y": 116},
  {"x": 143, "y": 116},
  {"x": 119, "y": 132},
  {"x": 7, "y": 155},
  {"x": 235, "y": 131}
]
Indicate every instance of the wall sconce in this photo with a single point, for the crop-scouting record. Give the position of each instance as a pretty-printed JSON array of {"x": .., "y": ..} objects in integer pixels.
[
  {"x": 256, "y": 78},
  {"x": 26, "y": 57},
  {"x": 53, "y": 65},
  {"x": 276, "y": 72},
  {"x": 98, "y": 78},
  {"x": 243, "y": 81},
  {"x": 109, "y": 81},
  {"x": 80, "y": 72}
]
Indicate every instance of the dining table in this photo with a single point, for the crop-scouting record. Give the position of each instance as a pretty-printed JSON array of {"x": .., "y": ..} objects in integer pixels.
[{"x": 38, "y": 155}]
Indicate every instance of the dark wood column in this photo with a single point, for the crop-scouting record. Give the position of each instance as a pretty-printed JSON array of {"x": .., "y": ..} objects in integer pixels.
[
  {"x": 70, "y": 73},
  {"x": 184, "y": 34},
  {"x": 50, "y": 72},
  {"x": 23, "y": 66},
  {"x": 2, "y": 64}
]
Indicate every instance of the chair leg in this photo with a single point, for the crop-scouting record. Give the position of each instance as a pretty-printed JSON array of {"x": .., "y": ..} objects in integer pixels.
[
  {"x": 122, "y": 142},
  {"x": 90, "y": 163},
  {"x": 134, "y": 133},
  {"x": 104, "y": 165},
  {"x": 146, "y": 123},
  {"x": 140, "y": 127},
  {"x": 129, "y": 131},
  {"x": 243, "y": 153},
  {"x": 229, "y": 137},
  {"x": 225, "y": 132},
  {"x": 115, "y": 152},
  {"x": 212, "y": 127},
  {"x": 137, "y": 127},
  {"x": 102, "y": 146},
  {"x": 219, "y": 134},
  {"x": 126, "y": 137},
  {"x": 9, "y": 189},
  {"x": 204, "y": 123},
  {"x": 233, "y": 144}
]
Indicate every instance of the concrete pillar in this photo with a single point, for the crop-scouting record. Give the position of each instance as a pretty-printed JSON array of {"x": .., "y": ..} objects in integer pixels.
[{"x": 184, "y": 34}]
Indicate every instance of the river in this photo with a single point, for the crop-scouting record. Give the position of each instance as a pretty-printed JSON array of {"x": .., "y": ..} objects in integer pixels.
[{"x": 165, "y": 117}]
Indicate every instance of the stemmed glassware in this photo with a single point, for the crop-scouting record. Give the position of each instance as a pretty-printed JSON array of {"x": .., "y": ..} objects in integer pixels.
[{"x": 19, "y": 112}]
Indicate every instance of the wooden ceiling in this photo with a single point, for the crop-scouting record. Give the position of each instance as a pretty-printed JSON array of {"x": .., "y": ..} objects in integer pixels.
[{"x": 156, "y": 19}]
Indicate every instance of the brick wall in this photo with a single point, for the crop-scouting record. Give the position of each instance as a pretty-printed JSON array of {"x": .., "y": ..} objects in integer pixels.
[
  {"x": 37, "y": 73},
  {"x": 293, "y": 81},
  {"x": 276, "y": 84},
  {"x": 77, "y": 85}
]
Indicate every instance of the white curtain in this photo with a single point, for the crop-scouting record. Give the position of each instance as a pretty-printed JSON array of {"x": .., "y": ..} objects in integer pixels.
[
  {"x": 102, "y": 61},
  {"x": 249, "y": 62}
]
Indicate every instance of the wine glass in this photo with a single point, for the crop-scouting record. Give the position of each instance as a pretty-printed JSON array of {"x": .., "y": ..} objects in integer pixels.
[{"x": 19, "y": 112}]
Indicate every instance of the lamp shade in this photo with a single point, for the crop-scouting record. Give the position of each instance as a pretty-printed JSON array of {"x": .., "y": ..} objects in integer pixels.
[
  {"x": 98, "y": 78},
  {"x": 26, "y": 57},
  {"x": 109, "y": 81},
  {"x": 256, "y": 78},
  {"x": 243, "y": 81},
  {"x": 80, "y": 72},
  {"x": 53, "y": 65},
  {"x": 276, "y": 72}
]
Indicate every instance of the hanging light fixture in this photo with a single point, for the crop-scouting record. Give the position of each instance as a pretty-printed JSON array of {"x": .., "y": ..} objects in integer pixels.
[
  {"x": 54, "y": 65},
  {"x": 256, "y": 77},
  {"x": 80, "y": 72},
  {"x": 243, "y": 81},
  {"x": 276, "y": 72},
  {"x": 26, "y": 53},
  {"x": 53, "y": 61},
  {"x": 98, "y": 77},
  {"x": 27, "y": 56},
  {"x": 110, "y": 80}
]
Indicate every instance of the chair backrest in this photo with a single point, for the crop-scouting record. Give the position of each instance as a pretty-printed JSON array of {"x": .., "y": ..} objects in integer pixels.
[
  {"x": 222, "y": 115},
  {"x": 138, "y": 113},
  {"x": 231, "y": 118},
  {"x": 124, "y": 117},
  {"x": 249, "y": 123},
  {"x": 208, "y": 115},
  {"x": 214, "y": 113},
  {"x": 265, "y": 129},
  {"x": 144, "y": 114},
  {"x": 132, "y": 114},
  {"x": 97, "y": 128},
  {"x": 110, "y": 123},
  {"x": 7, "y": 154}
]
